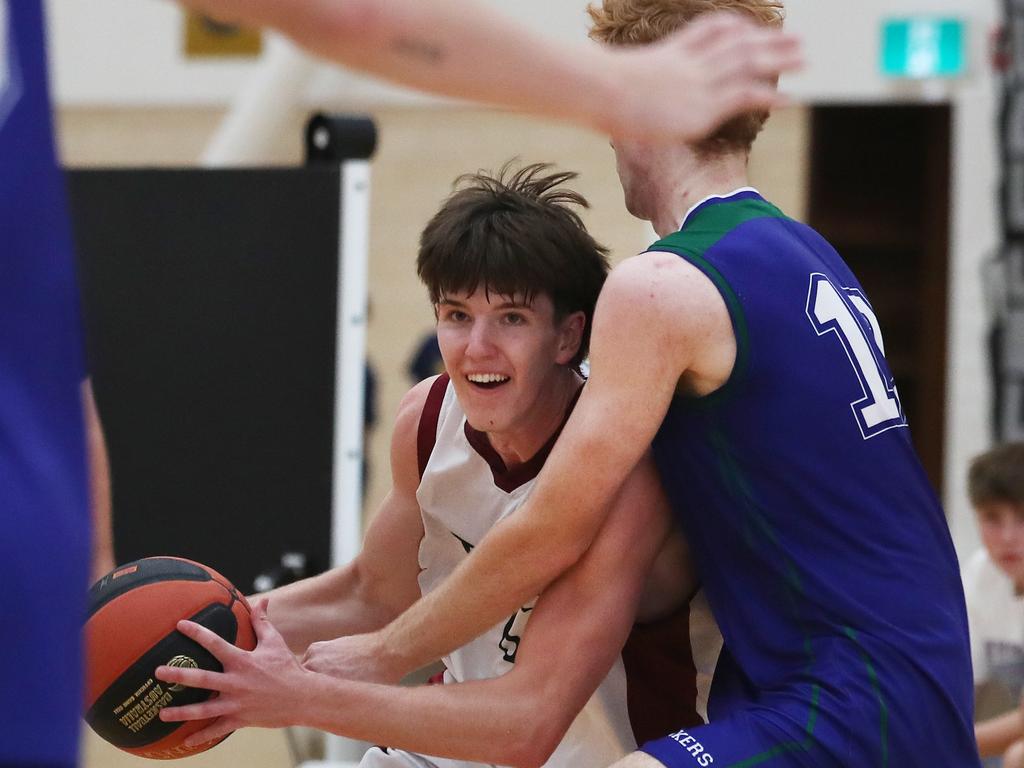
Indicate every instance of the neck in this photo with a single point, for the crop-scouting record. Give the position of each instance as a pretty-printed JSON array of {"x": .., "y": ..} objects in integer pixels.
[
  {"x": 690, "y": 179},
  {"x": 521, "y": 444}
]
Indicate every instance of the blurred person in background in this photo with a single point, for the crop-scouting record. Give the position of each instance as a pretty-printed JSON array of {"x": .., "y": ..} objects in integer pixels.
[{"x": 994, "y": 587}]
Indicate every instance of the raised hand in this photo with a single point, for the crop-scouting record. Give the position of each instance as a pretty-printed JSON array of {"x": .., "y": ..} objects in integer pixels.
[{"x": 683, "y": 87}]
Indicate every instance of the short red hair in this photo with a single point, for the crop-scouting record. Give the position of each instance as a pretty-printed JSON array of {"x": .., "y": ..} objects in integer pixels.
[{"x": 639, "y": 22}]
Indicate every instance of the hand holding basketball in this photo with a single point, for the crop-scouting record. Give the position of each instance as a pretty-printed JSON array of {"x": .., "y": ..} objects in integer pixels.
[{"x": 263, "y": 687}]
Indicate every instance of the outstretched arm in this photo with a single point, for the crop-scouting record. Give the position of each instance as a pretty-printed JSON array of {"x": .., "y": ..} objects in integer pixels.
[
  {"x": 573, "y": 637},
  {"x": 683, "y": 88}
]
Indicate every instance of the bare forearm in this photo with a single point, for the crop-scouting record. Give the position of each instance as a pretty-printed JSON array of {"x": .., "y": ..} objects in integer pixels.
[
  {"x": 457, "y": 48},
  {"x": 495, "y": 724},
  {"x": 997, "y": 734},
  {"x": 327, "y": 606},
  {"x": 460, "y": 48}
]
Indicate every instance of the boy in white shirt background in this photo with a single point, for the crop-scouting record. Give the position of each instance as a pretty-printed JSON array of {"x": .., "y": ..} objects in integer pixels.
[{"x": 994, "y": 587}]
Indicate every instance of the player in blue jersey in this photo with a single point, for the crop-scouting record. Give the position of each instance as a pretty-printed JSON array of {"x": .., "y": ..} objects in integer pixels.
[
  {"x": 745, "y": 349},
  {"x": 45, "y": 541}
]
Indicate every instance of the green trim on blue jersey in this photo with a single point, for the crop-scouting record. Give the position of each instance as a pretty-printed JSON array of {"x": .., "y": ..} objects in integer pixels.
[
  {"x": 883, "y": 708},
  {"x": 701, "y": 231},
  {"x": 734, "y": 479},
  {"x": 758, "y": 530}
]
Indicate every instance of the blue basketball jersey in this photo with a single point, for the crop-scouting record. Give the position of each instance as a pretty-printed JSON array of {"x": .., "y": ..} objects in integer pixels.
[
  {"x": 823, "y": 550},
  {"x": 44, "y": 522}
]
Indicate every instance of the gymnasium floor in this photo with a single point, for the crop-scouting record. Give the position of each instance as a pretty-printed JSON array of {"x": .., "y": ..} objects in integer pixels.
[{"x": 250, "y": 748}]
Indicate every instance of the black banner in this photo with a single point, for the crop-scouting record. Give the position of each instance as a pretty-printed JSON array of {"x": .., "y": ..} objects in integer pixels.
[{"x": 210, "y": 304}]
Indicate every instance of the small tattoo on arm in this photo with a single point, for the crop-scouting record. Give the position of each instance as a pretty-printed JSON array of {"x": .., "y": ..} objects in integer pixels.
[{"x": 423, "y": 50}]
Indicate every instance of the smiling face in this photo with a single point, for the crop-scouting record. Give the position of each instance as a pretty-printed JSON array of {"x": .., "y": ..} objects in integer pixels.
[
  {"x": 508, "y": 359},
  {"x": 1001, "y": 524}
]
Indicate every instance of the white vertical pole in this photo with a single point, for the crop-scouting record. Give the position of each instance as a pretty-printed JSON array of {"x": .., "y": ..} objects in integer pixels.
[
  {"x": 349, "y": 389},
  {"x": 350, "y": 363},
  {"x": 263, "y": 108}
]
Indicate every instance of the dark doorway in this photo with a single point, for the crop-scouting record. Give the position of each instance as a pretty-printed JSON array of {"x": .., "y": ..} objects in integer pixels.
[{"x": 879, "y": 191}]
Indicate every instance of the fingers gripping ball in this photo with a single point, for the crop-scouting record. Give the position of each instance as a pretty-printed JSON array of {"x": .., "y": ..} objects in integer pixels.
[{"x": 131, "y": 631}]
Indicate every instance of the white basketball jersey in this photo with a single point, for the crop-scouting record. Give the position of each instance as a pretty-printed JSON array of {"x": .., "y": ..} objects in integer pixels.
[{"x": 464, "y": 490}]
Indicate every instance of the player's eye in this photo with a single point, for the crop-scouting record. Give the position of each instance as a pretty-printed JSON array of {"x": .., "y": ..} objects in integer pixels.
[{"x": 515, "y": 318}]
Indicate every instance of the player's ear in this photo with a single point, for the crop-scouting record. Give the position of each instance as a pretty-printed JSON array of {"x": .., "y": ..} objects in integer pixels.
[{"x": 570, "y": 336}]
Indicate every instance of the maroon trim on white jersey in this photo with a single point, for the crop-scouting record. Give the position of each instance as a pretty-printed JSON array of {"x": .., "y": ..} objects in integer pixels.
[
  {"x": 661, "y": 677},
  {"x": 510, "y": 479},
  {"x": 426, "y": 434}
]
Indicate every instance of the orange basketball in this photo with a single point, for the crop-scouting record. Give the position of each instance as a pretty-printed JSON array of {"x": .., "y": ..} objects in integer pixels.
[{"x": 133, "y": 611}]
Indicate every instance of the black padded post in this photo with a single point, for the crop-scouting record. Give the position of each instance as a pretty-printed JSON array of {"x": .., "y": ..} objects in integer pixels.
[{"x": 332, "y": 139}]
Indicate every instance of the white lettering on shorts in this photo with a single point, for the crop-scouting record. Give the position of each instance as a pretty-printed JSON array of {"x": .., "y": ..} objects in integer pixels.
[{"x": 700, "y": 755}]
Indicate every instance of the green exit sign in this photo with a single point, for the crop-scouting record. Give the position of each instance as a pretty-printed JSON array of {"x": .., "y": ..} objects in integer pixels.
[{"x": 923, "y": 47}]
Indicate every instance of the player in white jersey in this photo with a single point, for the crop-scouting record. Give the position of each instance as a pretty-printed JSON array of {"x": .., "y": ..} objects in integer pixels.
[{"x": 514, "y": 277}]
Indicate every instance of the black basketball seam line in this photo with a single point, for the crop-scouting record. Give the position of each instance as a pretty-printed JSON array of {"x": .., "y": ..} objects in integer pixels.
[{"x": 200, "y": 574}]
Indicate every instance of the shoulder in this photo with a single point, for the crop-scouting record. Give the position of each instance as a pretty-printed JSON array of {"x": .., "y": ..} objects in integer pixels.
[
  {"x": 413, "y": 401},
  {"x": 663, "y": 297},
  {"x": 660, "y": 283},
  {"x": 419, "y": 403}
]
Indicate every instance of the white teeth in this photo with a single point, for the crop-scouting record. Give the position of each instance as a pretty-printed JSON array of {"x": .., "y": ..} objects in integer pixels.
[{"x": 486, "y": 378}]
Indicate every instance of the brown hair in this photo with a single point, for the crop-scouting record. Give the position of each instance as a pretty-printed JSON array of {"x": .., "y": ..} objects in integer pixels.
[
  {"x": 514, "y": 234},
  {"x": 639, "y": 22},
  {"x": 997, "y": 476}
]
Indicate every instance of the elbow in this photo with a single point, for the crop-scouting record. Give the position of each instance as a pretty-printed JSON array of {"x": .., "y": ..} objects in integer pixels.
[
  {"x": 534, "y": 738},
  {"x": 371, "y": 593},
  {"x": 559, "y": 547},
  {"x": 534, "y": 754},
  {"x": 566, "y": 550}
]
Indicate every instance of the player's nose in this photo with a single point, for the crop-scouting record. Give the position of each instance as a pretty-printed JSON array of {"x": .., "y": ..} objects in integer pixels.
[{"x": 480, "y": 341}]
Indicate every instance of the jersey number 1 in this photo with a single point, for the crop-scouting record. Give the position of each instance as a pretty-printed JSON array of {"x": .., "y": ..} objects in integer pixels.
[{"x": 831, "y": 310}]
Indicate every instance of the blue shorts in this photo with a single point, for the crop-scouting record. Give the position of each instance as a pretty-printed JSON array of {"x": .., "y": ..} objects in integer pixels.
[
  {"x": 742, "y": 740},
  {"x": 827, "y": 731}
]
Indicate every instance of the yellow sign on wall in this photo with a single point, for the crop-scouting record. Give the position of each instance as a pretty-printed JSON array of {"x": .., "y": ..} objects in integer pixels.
[{"x": 205, "y": 37}]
